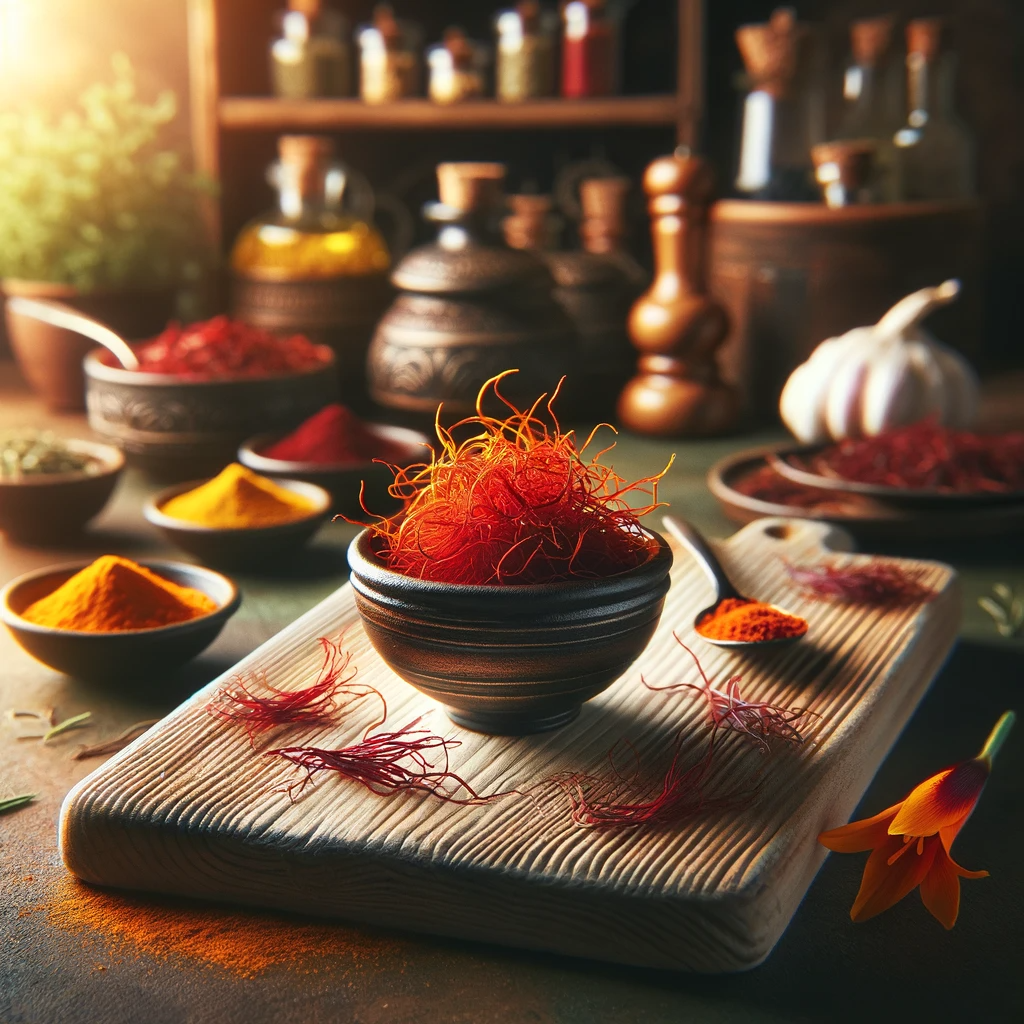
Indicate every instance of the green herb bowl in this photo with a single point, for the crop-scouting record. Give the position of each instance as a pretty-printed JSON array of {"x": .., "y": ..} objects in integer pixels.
[
  {"x": 131, "y": 656},
  {"x": 248, "y": 547},
  {"x": 46, "y": 508}
]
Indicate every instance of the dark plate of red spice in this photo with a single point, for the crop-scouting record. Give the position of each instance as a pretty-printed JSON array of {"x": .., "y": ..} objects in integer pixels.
[
  {"x": 748, "y": 488},
  {"x": 920, "y": 464}
]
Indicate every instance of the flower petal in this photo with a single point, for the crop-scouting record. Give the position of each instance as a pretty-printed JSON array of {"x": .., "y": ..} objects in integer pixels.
[
  {"x": 883, "y": 883},
  {"x": 861, "y": 835},
  {"x": 941, "y": 801},
  {"x": 940, "y": 890}
]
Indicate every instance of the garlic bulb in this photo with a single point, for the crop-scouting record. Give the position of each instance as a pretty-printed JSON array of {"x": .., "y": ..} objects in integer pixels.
[{"x": 874, "y": 378}]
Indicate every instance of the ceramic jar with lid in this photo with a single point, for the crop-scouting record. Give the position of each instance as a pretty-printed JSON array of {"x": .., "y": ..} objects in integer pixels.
[{"x": 469, "y": 307}]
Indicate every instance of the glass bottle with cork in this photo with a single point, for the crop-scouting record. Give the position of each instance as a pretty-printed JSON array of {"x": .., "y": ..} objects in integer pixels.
[
  {"x": 935, "y": 151},
  {"x": 389, "y": 57},
  {"x": 315, "y": 265},
  {"x": 526, "y": 52},
  {"x": 874, "y": 108},
  {"x": 458, "y": 68},
  {"x": 311, "y": 55}
]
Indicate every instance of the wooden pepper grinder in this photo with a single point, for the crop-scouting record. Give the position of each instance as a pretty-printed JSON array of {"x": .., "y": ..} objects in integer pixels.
[{"x": 675, "y": 324}]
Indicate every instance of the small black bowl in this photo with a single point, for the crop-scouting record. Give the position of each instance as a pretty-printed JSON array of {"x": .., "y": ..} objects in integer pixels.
[
  {"x": 509, "y": 660},
  {"x": 135, "y": 655},
  {"x": 342, "y": 479},
  {"x": 245, "y": 547}
]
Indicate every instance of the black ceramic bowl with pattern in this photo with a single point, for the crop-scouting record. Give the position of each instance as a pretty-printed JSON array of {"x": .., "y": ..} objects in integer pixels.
[
  {"x": 509, "y": 660},
  {"x": 177, "y": 427}
]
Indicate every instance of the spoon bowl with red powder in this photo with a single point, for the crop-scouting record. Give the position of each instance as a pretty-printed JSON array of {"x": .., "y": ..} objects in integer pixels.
[{"x": 733, "y": 619}]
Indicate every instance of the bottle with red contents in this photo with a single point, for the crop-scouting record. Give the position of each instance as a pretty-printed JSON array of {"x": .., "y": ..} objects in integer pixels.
[{"x": 589, "y": 50}]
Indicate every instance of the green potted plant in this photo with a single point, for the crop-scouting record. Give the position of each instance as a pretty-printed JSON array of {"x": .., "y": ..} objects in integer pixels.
[{"x": 96, "y": 213}]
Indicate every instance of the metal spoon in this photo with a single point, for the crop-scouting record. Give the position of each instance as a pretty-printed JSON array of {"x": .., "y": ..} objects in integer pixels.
[
  {"x": 58, "y": 315},
  {"x": 708, "y": 561}
]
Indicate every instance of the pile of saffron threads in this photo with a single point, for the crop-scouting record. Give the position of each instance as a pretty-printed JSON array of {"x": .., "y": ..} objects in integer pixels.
[
  {"x": 325, "y": 700},
  {"x": 876, "y": 582},
  {"x": 517, "y": 503},
  {"x": 759, "y": 721}
]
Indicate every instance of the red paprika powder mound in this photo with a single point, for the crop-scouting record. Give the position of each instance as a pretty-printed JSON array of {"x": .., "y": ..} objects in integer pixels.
[
  {"x": 743, "y": 619},
  {"x": 335, "y": 434}
]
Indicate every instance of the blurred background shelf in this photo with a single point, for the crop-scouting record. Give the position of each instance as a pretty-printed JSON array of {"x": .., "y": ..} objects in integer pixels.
[{"x": 268, "y": 113}]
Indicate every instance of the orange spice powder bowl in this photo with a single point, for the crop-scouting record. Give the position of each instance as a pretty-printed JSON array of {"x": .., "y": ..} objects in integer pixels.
[
  {"x": 509, "y": 660},
  {"x": 134, "y": 656}
]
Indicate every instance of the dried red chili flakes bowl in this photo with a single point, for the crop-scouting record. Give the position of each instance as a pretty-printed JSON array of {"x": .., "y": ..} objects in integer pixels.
[
  {"x": 180, "y": 427},
  {"x": 343, "y": 479},
  {"x": 509, "y": 660}
]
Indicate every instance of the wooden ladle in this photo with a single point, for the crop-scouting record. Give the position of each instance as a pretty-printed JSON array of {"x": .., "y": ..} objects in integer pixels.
[
  {"x": 58, "y": 315},
  {"x": 688, "y": 536}
]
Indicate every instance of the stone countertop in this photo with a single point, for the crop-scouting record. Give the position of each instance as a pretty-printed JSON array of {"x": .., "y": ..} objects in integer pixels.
[{"x": 66, "y": 955}]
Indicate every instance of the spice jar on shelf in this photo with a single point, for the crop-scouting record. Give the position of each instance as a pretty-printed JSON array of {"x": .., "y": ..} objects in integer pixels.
[
  {"x": 934, "y": 150},
  {"x": 316, "y": 265},
  {"x": 525, "y": 67},
  {"x": 468, "y": 308},
  {"x": 783, "y": 114},
  {"x": 457, "y": 68},
  {"x": 389, "y": 57},
  {"x": 311, "y": 55},
  {"x": 590, "y": 57}
]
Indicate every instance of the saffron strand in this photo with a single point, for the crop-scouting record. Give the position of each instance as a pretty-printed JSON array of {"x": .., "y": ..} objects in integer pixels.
[
  {"x": 333, "y": 694},
  {"x": 759, "y": 721},
  {"x": 876, "y": 582}
]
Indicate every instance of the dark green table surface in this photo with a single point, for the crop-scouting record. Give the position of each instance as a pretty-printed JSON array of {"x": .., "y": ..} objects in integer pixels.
[{"x": 901, "y": 965}]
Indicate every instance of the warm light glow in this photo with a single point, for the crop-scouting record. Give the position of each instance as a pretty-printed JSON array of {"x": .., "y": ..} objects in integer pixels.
[{"x": 13, "y": 35}]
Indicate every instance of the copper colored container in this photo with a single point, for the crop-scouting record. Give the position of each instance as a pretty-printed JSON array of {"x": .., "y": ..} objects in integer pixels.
[{"x": 469, "y": 307}]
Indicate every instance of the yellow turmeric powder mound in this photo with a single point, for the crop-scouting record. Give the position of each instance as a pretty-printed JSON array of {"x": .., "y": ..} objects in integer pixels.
[
  {"x": 115, "y": 594},
  {"x": 238, "y": 498}
]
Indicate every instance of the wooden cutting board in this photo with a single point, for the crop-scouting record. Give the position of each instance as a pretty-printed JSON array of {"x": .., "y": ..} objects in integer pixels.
[{"x": 191, "y": 809}]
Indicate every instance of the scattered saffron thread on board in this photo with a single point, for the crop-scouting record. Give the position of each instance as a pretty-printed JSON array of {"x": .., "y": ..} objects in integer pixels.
[
  {"x": 331, "y": 696},
  {"x": 876, "y": 582},
  {"x": 760, "y": 721},
  {"x": 245, "y": 943}
]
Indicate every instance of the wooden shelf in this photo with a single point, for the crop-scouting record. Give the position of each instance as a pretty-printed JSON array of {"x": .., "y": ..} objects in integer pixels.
[{"x": 262, "y": 112}]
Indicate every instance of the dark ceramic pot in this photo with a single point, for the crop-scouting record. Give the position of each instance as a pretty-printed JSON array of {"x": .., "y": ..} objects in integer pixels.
[
  {"x": 509, "y": 660},
  {"x": 177, "y": 428}
]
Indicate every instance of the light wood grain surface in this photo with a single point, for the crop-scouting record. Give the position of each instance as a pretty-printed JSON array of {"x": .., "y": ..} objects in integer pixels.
[{"x": 191, "y": 809}]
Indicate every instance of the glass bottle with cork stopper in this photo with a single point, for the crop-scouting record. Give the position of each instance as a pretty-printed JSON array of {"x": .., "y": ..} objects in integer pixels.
[
  {"x": 311, "y": 56},
  {"x": 458, "y": 68},
  {"x": 874, "y": 100},
  {"x": 934, "y": 150},
  {"x": 389, "y": 57},
  {"x": 526, "y": 52},
  {"x": 315, "y": 265},
  {"x": 590, "y": 57},
  {"x": 468, "y": 307},
  {"x": 782, "y": 115}
]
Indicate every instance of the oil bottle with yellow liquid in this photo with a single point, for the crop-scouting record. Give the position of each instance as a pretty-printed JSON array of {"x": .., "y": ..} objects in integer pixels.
[{"x": 316, "y": 265}]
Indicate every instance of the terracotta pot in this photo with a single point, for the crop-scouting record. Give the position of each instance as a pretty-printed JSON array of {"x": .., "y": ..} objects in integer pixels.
[{"x": 51, "y": 358}]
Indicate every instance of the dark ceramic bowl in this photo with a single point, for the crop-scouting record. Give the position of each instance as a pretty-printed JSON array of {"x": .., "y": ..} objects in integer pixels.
[
  {"x": 342, "y": 480},
  {"x": 50, "y": 507},
  {"x": 509, "y": 660},
  {"x": 176, "y": 428},
  {"x": 133, "y": 656},
  {"x": 249, "y": 547}
]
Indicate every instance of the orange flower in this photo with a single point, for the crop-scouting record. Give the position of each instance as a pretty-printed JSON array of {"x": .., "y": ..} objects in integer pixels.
[{"x": 910, "y": 841}]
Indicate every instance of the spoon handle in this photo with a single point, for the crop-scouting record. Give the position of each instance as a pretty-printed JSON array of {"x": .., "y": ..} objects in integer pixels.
[
  {"x": 688, "y": 536},
  {"x": 58, "y": 315}
]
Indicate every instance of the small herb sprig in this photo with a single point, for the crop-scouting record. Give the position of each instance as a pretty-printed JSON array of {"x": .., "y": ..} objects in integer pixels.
[
  {"x": 1006, "y": 609},
  {"x": 14, "y": 803}
]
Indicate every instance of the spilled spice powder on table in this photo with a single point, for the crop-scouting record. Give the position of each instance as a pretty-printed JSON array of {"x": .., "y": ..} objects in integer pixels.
[
  {"x": 244, "y": 942},
  {"x": 238, "y": 498},
  {"x": 115, "y": 594},
  {"x": 746, "y": 620}
]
